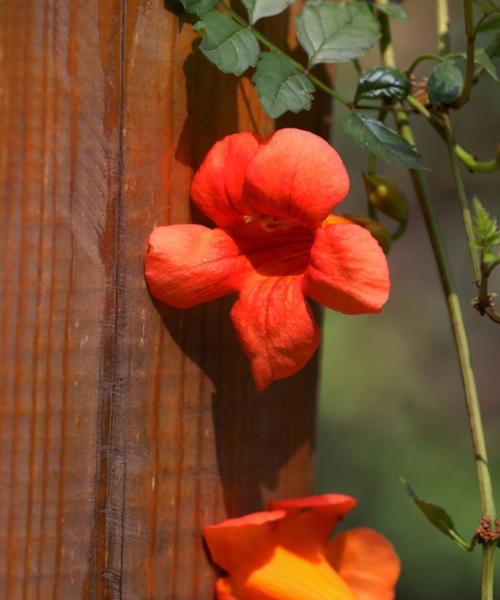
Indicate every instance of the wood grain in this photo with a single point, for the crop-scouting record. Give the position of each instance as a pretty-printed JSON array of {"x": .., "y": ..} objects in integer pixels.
[{"x": 125, "y": 425}]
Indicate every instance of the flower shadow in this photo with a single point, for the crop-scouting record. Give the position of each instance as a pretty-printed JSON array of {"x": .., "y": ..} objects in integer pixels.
[{"x": 257, "y": 444}]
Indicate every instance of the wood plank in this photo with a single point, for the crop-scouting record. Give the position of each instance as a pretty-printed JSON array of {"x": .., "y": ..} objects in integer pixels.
[{"x": 125, "y": 425}]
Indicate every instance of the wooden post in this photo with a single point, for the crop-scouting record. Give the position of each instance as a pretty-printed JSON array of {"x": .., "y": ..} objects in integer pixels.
[{"x": 125, "y": 426}]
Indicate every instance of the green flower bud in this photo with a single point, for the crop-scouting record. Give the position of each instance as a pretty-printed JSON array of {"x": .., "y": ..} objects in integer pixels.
[{"x": 386, "y": 197}]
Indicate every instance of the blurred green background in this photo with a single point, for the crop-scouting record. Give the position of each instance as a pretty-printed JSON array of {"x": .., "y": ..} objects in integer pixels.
[{"x": 391, "y": 401}]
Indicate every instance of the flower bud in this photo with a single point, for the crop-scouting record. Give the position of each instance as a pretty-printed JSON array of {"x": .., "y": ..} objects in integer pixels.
[{"x": 384, "y": 195}]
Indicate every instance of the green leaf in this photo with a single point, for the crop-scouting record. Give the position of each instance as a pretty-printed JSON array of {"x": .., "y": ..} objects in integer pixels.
[
  {"x": 496, "y": 52},
  {"x": 383, "y": 82},
  {"x": 382, "y": 141},
  {"x": 488, "y": 6},
  {"x": 334, "y": 33},
  {"x": 481, "y": 57},
  {"x": 281, "y": 87},
  {"x": 445, "y": 83},
  {"x": 491, "y": 24},
  {"x": 485, "y": 227},
  {"x": 230, "y": 46},
  {"x": 438, "y": 517},
  {"x": 393, "y": 10},
  {"x": 265, "y": 8},
  {"x": 198, "y": 6}
]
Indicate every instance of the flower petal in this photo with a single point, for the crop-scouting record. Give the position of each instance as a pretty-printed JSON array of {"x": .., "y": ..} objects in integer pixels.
[
  {"x": 348, "y": 271},
  {"x": 367, "y": 562},
  {"x": 275, "y": 325},
  {"x": 190, "y": 264},
  {"x": 223, "y": 590},
  {"x": 291, "y": 576},
  {"x": 243, "y": 543},
  {"x": 295, "y": 175},
  {"x": 217, "y": 185},
  {"x": 319, "y": 516}
]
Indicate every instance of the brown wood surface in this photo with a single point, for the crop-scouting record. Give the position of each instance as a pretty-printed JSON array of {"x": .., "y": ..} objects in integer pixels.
[{"x": 125, "y": 426}]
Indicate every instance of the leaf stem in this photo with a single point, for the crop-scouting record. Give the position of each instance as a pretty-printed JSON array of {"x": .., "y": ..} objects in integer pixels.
[
  {"x": 422, "y": 58},
  {"x": 475, "y": 165},
  {"x": 460, "y": 337},
  {"x": 463, "y": 201},
  {"x": 265, "y": 41}
]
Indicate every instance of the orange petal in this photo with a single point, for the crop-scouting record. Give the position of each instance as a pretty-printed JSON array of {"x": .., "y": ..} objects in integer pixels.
[
  {"x": 311, "y": 521},
  {"x": 275, "y": 325},
  {"x": 367, "y": 562},
  {"x": 217, "y": 185},
  {"x": 190, "y": 264},
  {"x": 223, "y": 590},
  {"x": 348, "y": 270},
  {"x": 295, "y": 175},
  {"x": 244, "y": 543},
  {"x": 288, "y": 576}
]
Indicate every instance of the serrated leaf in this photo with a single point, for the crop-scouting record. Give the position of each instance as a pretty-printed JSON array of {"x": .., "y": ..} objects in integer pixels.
[
  {"x": 384, "y": 82},
  {"x": 382, "y": 141},
  {"x": 257, "y": 9},
  {"x": 198, "y": 6},
  {"x": 445, "y": 83},
  {"x": 394, "y": 11},
  {"x": 281, "y": 87},
  {"x": 485, "y": 227},
  {"x": 335, "y": 33},
  {"x": 227, "y": 44},
  {"x": 438, "y": 517}
]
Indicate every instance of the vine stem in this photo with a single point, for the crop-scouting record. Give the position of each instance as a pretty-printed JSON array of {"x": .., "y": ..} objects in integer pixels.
[
  {"x": 463, "y": 201},
  {"x": 469, "y": 66},
  {"x": 271, "y": 46},
  {"x": 458, "y": 328}
]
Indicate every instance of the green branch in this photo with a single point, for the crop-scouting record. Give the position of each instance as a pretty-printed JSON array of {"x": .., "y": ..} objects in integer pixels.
[{"x": 469, "y": 65}]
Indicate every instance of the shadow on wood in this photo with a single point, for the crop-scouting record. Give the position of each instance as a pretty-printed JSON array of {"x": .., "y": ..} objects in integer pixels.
[{"x": 125, "y": 426}]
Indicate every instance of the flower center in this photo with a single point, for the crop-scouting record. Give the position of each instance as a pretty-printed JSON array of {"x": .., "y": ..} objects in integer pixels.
[{"x": 269, "y": 223}]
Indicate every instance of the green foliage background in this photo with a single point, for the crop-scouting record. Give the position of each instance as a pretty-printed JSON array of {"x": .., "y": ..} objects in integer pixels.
[{"x": 391, "y": 402}]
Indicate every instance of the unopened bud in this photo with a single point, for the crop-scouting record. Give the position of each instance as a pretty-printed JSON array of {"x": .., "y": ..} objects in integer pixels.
[{"x": 384, "y": 195}]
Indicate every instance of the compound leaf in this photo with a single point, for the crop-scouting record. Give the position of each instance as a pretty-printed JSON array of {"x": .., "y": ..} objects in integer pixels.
[
  {"x": 334, "y": 33},
  {"x": 227, "y": 44},
  {"x": 281, "y": 87},
  {"x": 265, "y": 8}
]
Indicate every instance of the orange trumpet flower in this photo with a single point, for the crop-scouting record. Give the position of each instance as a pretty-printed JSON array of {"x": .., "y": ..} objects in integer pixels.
[
  {"x": 285, "y": 554},
  {"x": 275, "y": 244}
]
